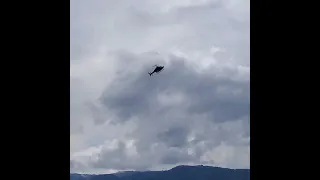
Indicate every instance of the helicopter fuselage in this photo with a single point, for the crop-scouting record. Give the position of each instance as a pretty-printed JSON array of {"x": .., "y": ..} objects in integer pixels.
[{"x": 157, "y": 70}]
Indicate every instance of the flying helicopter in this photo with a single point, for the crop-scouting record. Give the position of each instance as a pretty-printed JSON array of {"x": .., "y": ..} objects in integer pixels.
[{"x": 156, "y": 70}]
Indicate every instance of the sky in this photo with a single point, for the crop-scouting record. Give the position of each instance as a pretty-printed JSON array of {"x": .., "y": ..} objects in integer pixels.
[{"x": 196, "y": 111}]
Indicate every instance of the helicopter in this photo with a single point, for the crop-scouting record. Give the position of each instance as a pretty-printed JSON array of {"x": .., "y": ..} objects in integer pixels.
[{"x": 156, "y": 70}]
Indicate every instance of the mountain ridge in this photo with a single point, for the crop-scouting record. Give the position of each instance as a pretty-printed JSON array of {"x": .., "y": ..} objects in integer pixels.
[{"x": 185, "y": 172}]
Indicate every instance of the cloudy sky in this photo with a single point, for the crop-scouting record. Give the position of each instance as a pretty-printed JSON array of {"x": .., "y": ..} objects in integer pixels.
[{"x": 196, "y": 111}]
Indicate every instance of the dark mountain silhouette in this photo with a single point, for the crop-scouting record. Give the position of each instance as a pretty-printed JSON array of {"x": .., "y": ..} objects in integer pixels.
[{"x": 177, "y": 173}]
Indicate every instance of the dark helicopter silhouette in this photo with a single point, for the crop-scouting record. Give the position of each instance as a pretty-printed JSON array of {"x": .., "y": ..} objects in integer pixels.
[{"x": 156, "y": 70}]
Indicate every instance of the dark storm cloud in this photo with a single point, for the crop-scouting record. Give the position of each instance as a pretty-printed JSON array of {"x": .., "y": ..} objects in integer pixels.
[
  {"x": 135, "y": 94},
  {"x": 174, "y": 137}
]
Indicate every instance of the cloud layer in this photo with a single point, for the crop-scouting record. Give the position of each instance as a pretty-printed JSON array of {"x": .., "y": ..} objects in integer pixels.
[{"x": 196, "y": 111}]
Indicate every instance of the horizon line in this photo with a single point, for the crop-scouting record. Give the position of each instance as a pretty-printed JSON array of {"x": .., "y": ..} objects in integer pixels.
[{"x": 123, "y": 171}]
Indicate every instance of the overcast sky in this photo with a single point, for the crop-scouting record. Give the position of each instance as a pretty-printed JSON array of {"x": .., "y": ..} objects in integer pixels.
[{"x": 196, "y": 111}]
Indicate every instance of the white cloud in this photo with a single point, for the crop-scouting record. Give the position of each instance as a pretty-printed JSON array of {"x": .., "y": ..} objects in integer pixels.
[{"x": 194, "y": 112}]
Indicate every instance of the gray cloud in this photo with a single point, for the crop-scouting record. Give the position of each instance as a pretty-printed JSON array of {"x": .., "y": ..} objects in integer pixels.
[
  {"x": 221, "y": 99},
  {"x": 175, "y": 156},
  {"x": 174, "y": 136},
  {"x": 196, "y": 111},
  {"x": 171, "y": 106}
]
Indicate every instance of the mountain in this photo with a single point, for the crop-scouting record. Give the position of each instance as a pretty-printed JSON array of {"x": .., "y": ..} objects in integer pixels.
[{"x": 176, "y": 173}]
